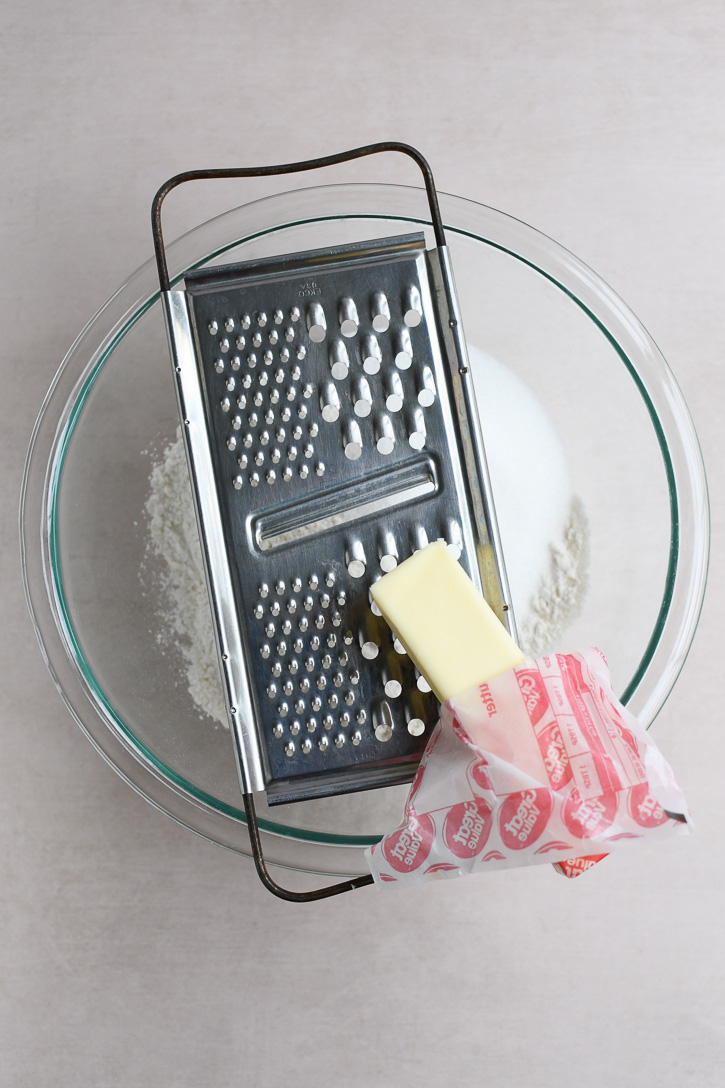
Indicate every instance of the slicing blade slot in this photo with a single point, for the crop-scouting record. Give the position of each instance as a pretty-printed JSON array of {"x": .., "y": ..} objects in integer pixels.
[{"x": 386, "y": 492}]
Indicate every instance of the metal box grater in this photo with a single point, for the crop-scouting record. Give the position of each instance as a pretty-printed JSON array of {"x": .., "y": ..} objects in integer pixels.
[{"x": 331, "y": 431}]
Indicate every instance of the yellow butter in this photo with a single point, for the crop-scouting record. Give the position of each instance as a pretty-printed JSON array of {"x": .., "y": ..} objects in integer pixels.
[{"x": 450, "y": 632}]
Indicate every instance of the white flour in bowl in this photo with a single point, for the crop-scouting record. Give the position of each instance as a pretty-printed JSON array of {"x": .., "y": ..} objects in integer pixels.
[{"x": 543, "y": 531}]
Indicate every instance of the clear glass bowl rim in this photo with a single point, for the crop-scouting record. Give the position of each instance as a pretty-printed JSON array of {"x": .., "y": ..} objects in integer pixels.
[{"x": 684, "y": 588}]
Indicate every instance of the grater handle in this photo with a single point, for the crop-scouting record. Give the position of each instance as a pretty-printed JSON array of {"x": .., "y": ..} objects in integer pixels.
[
  {"x": 289, "y": 168},
  {"x": 272, "y": 885}
]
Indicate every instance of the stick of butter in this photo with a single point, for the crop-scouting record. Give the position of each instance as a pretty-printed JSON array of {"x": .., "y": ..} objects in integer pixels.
[{"x": 451, "y": 634}]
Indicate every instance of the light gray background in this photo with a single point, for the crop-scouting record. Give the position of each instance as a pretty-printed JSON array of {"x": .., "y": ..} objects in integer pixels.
[{"x": 133, "y": 953}]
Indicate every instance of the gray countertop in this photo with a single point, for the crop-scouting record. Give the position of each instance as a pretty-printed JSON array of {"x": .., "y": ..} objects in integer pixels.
[{"x": 134, "y": 953}]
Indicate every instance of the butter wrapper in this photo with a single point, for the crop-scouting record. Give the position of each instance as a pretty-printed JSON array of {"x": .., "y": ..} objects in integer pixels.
[{"x": 540, "y": 764}]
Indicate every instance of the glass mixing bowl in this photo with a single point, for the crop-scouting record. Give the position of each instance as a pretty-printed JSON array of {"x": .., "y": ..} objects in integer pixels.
[{"x": 621, "y": 418}]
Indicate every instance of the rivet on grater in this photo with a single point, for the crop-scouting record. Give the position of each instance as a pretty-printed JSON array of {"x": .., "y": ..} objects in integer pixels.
[
  {"x": 288, "y": 687},
  {"x": 294, "y": 728},
  {"x": 282, "y": 710},
  {"x": 284, "y": 355},
  {"x": 301, "y": 351},
  {"x": 306, "y": 746},
  {"x": 273, "y": 336},
  {"x": 289, "y": 334},
  {"x": 276, "y": 669},
  {"x": 251, "y": 360},
  {"x": 287, "y": 627},
  {"x": 295, "y": 313},
  {"x": 257, "y": 339},
  {"x": 339, "y": 740},
  {"x": 269, "y": 629},
  {"x": 219, "y": 366},
  {"x": 224, "y": 345},
  {"x": 289, "y": 748},
  {"x": 332, "y": 700},
  {"x": 246, "y": 321},
  {"x": 237, "y": 481},
  {"x": 232, "y": 442},
  {"x": 416, "y": 727},
  {"x": 241, "y": 342},
  {"x": 225, "y": 404},
  {"x": 236, "y": 362},
  {"x": 278, "y": 317},
  {"x": 261, "y": 319},
  {"x": 278, "y": 729},
  {"x": 356, "y": 737},
  {"x": 213, "y": 327},
  {"x": 316, "y": 704},
  {"x": 229, "y": 324}
]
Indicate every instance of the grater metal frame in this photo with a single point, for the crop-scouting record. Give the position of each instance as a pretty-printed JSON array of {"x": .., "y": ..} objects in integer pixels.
[{"x": 487, "y": 543}]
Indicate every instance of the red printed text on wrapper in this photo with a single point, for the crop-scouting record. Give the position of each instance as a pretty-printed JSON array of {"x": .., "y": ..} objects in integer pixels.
[
  {"x": 467, "y": 827},
  {"x": 588, "y": 817},
  {"x": 407, "y": 849},
  {"x": 533, "y": 693},
  {"x": 645, "y": 809},
  {"x": 523, "y": 817}
]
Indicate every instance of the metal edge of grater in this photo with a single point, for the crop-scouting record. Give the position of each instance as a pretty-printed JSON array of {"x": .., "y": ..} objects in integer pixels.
[{"x": 438, "y": 311}]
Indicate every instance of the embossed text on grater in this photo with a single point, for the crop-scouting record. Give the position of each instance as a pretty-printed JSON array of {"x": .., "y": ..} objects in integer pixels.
[{"x": 330, "y": 411}]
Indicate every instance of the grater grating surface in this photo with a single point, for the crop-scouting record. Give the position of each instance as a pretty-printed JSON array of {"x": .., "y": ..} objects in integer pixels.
[{"x": 325, "y": 449}]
